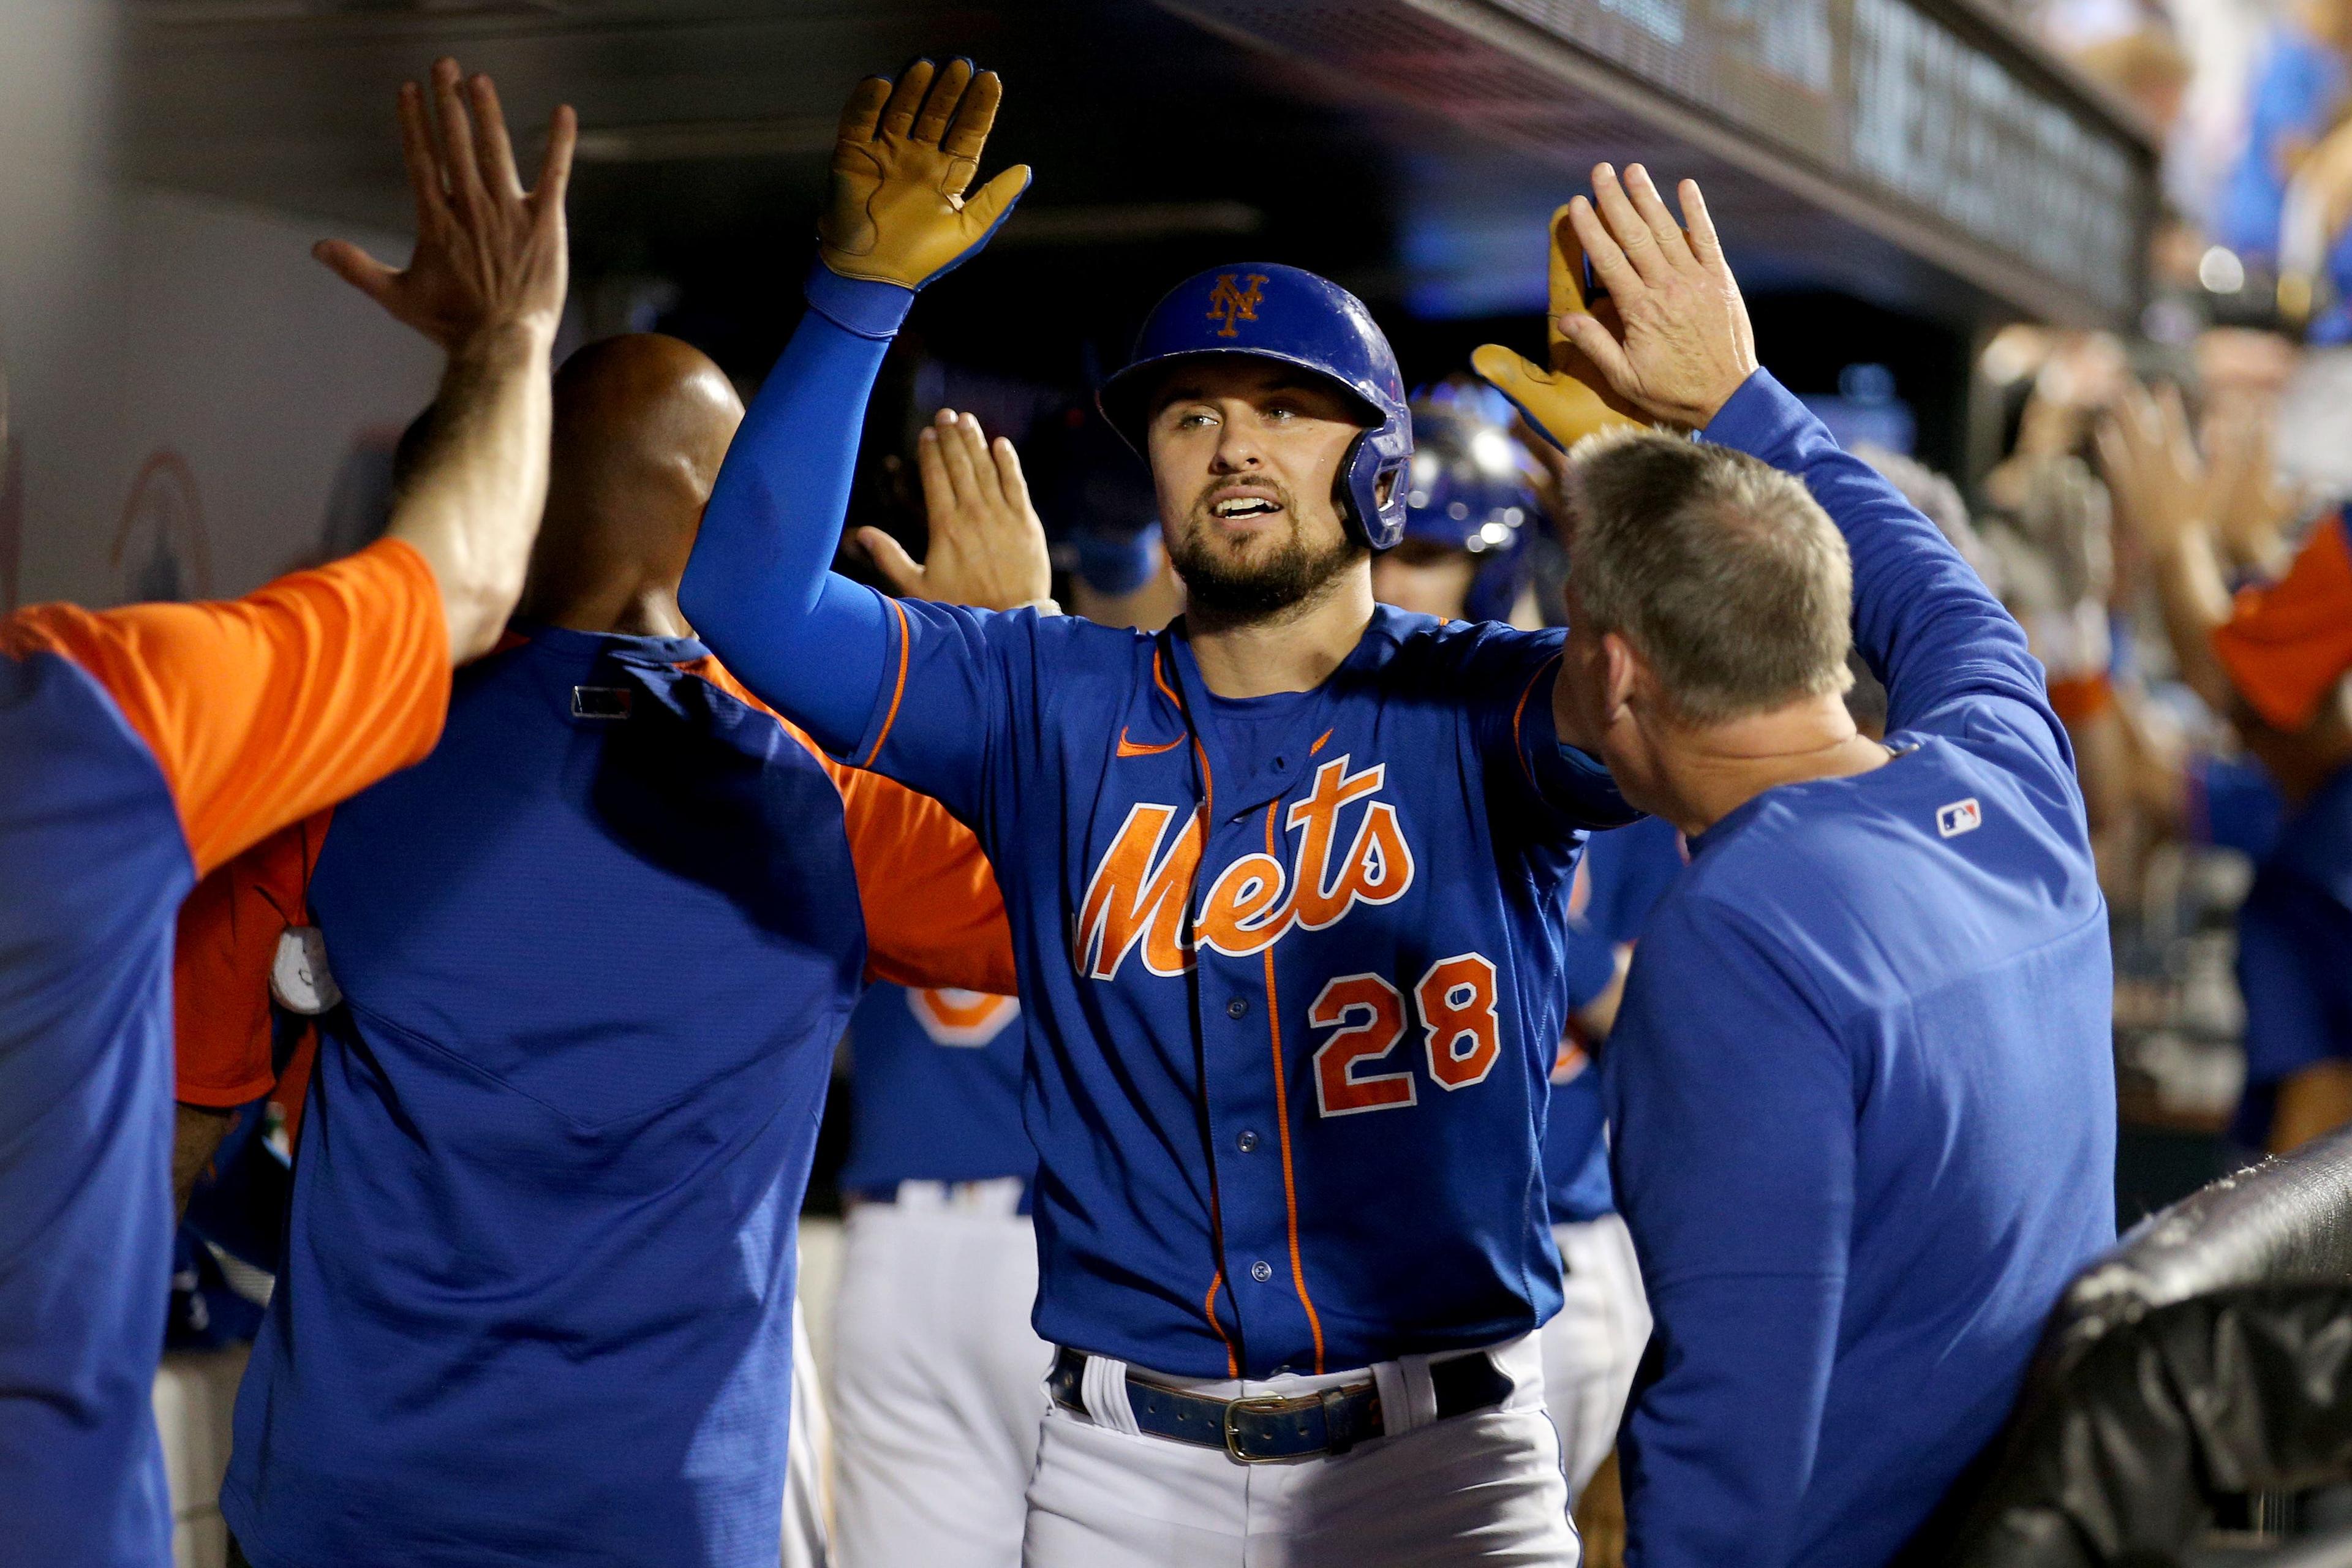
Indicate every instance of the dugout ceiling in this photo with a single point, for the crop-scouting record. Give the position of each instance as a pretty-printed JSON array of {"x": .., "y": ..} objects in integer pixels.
[{"x": 1918, "y": 154}]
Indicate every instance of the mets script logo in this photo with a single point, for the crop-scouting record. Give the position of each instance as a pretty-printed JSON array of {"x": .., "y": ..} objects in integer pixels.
[
  {"x": 1140, "y": 892},
  {"x": 1229, "y": 303}
]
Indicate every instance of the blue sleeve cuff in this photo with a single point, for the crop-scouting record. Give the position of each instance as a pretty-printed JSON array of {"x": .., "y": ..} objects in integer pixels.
[
  {"x": 858, "y": 305},
  {"x": 1763, "y": 418}
]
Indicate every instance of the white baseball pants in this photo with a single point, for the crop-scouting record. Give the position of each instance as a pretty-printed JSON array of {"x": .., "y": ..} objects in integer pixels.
[
  {"x": 1591, "y": 1348},
  {"x": 937, "y": 1379},
  {"x": 1484, "y": 1487},
  {"x": 806, "y": 1442}
]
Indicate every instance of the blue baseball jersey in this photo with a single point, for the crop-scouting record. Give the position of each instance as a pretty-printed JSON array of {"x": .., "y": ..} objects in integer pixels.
[
  {"x": 535, "y": 1303},
  {"x": 1624, "y": 872},
  {"x": 1291, "y": 1022},
  {"x": 935, "y": 1091},
  {"x": 2295, "y": 934},
  {"x": 1290, "y": 968},
  {"x": 1862, "y": 1090}
]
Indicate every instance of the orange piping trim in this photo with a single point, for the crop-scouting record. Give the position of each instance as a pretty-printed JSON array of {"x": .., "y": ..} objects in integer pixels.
[
  {"x": 1161, "y": 681},
  {"x": 1318, "y": 742},
  {"x": 1520, "y": 711},
  {"x": 1209, "y": 1307},
  {"x": 898, "y": 694},
  {"x": 1282, "y": 1117}
]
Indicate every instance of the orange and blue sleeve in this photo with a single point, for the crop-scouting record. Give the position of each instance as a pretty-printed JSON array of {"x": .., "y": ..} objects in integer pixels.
[
  {"x": 221, "y": 961},
  {"x": 263, "y": 709},
  {"x": 934, "y": 917},
  {"x": 2287, "y": 645}
]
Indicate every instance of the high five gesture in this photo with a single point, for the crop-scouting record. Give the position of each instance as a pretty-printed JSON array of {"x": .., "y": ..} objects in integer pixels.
[
  {"x": 489, "y": 253},
  {"x": 907, "y": 153}
]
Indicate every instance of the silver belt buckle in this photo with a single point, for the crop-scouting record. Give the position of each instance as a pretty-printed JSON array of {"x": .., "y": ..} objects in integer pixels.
[{"x": 1264, "y": 1404}]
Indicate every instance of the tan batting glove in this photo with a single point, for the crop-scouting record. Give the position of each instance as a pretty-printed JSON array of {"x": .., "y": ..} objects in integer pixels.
[
  {"x": 906, "y": 154},
  {"x": 1564, "y": 403},
  {"x": 1679, "y": 345},
  {"x": 988, "y": 547}
]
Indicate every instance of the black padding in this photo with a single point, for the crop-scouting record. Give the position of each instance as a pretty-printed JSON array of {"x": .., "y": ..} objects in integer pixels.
[{"x": 2209, "y": 1353}]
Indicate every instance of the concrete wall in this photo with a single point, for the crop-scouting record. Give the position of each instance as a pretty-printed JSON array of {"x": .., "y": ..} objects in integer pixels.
[{"x": 186, "y": 440}]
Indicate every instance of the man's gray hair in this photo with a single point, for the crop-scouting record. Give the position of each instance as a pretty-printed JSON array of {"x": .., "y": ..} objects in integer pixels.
[{"x": 1720, "y": 570}]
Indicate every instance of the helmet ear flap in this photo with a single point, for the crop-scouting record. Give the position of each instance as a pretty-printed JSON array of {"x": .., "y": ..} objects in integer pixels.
[{"x": 1375, "y": 520}]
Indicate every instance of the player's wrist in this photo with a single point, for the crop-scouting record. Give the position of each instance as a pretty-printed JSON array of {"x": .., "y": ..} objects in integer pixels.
[
  {"x": 869, "y": 306},
  {"x": 506, "y": 342}
]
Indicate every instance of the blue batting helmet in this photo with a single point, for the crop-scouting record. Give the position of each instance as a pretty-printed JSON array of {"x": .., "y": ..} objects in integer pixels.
[
  {"x": 1268, "y": 311},
  {"x": 1465, "y": 492}
]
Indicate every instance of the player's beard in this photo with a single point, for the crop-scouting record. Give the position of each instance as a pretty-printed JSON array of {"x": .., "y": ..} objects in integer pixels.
[{"x": 1222, "y": 588}]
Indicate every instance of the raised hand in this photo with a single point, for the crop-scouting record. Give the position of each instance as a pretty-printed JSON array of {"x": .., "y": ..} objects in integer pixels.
[
  {"x": 906, "y": 154},
  {"x": 489, "y": 255},
  {"x": 1682, "y": 344},
  {"x": 988, "y": 548},
  {"x": 1570, "y": 401},
  {"x": 2153, "y": 468}
]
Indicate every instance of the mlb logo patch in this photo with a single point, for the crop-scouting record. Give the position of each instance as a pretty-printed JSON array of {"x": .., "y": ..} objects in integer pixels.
[{"x": 1961, "y": 816}]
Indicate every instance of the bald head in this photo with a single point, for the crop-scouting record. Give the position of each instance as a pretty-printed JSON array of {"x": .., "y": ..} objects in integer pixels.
[{"x": 642, "y": 423}]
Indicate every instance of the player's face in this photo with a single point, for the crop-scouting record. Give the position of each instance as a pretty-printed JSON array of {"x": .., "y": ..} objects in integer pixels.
[
  {"x": 1426, "y": 578},
  {"x": 1246, "y": 455}
]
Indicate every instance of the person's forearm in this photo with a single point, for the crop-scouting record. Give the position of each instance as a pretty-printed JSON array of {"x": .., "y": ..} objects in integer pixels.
[
  {"x": 1930, "y": 628},
  {"x": 760, "y": 588},
  {"x": 472, "y": 507},
  {"x": 2190, "y": 587}
]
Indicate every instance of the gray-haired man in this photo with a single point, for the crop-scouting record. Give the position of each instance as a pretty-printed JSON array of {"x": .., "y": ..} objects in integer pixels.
[{"x": 1862, "y": 1084}]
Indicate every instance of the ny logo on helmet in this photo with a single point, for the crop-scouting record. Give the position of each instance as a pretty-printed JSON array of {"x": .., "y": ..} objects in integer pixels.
[{"x": 1229, "y": 303}]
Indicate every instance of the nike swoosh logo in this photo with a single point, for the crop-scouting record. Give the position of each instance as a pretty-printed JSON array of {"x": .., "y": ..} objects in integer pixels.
[{"x": 1127, "y": 748}]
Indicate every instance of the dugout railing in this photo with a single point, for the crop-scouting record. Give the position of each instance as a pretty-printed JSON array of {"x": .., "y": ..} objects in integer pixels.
[{"x": 2205, "y": 1361}]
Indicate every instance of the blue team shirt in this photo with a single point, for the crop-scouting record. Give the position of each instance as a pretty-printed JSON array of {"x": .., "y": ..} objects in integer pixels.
[
  {"x": 2294, "y": 951},
  {"x": 936, "y": 1091},
  {"x": 96, "y": 865},
  {"x": 536, "y": 1301},
  {"x": 1861, "y": 1090},
  {"x": 1624, "y": 873},
  {"x": 1292, "y": 1000},
  {"x": 139, "y": 747}
]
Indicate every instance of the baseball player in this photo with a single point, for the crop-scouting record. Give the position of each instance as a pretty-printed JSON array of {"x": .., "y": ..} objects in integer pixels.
[
  {"x": 583, "y": 969},
  {"x": 147, "y": 745},
  {"x": 1876, "y": 1005},
  {"x": 1285, "y": 882}
]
